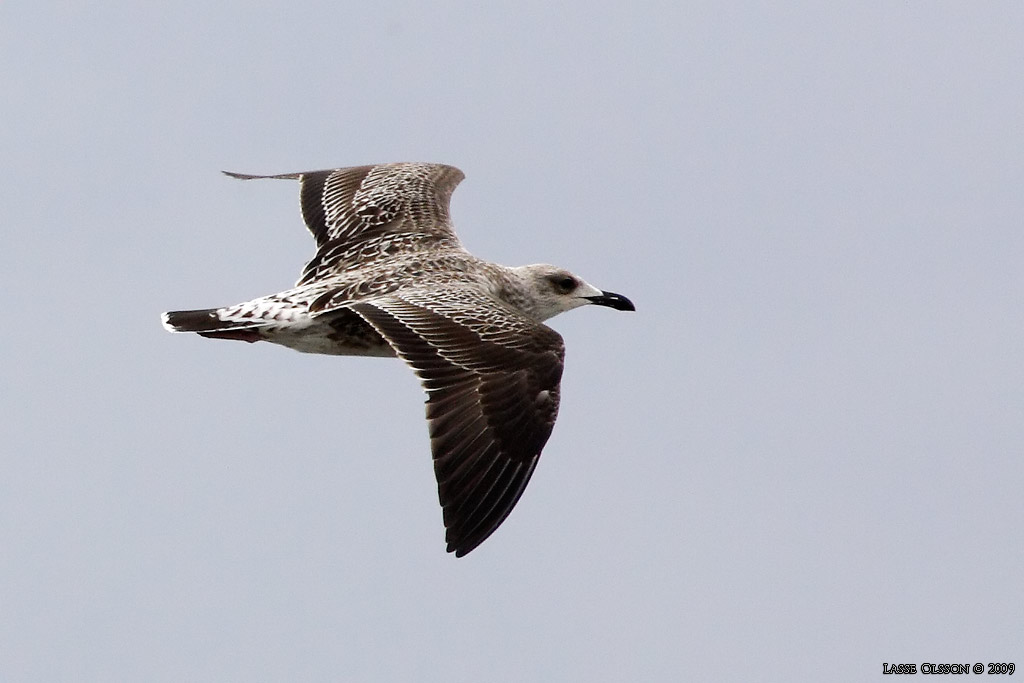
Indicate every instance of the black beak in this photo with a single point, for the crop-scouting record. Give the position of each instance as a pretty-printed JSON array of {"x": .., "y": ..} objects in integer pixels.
[{"x": 616, "y": 301}]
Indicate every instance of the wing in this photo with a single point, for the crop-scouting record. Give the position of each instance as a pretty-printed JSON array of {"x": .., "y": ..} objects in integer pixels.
[
  {"x": 362, "y": 213},
  {"x": 492, "y": 380}
]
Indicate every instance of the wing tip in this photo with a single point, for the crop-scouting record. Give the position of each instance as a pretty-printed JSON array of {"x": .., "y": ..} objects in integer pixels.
[
  {"x": 461, "y": 549},
  {"x": 249, "y": 176},
  {"x": 464, "y": 537}
]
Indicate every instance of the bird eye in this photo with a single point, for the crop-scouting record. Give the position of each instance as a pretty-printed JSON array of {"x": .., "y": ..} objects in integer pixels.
[{"x": 565, "y": 284}]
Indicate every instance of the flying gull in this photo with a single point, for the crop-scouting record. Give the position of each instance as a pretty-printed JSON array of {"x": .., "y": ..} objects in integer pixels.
[{"x": 390, "y": 277}]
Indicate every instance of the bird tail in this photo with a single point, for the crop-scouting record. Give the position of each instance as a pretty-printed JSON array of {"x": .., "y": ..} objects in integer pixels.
[{"x": 208, "y": 322}]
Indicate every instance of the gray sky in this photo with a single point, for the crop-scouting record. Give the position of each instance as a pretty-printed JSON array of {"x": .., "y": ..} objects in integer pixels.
[{"x": 800, "y": 456}]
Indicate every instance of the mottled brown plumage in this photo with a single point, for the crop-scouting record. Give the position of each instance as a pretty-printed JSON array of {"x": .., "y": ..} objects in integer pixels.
[{"x": 390, "y": 277}]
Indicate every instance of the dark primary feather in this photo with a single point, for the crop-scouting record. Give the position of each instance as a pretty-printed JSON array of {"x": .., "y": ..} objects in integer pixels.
[{"x": 492, "y": 381}]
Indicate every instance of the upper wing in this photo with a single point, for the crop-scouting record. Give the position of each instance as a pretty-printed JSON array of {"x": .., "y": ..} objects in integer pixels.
[
  {"x": 365, "y": 212},
  {"x": 492, "y": 380}
]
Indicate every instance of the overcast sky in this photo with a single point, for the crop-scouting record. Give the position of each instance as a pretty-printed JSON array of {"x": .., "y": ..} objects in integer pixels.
[{"x": 801, "y": 456}]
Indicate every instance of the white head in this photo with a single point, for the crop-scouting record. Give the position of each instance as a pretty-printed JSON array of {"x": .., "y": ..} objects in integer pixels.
[{"x": 548, "y": 290}]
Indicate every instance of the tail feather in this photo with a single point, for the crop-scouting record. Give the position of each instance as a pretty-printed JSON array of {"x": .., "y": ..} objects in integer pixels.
[
  {"x": 208, "y": 323},
  {"x": 202, "y": 320},
  {"x": 248, "y": 321}
]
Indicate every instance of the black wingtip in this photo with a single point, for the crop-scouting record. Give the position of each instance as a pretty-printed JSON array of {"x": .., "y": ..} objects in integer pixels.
[
  {"x": 459, "y": 547},
  {"x": 462, "y": 548}
]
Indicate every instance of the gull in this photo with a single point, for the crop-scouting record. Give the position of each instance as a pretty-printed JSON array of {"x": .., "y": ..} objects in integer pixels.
[{"x": 390, "y": 278}]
